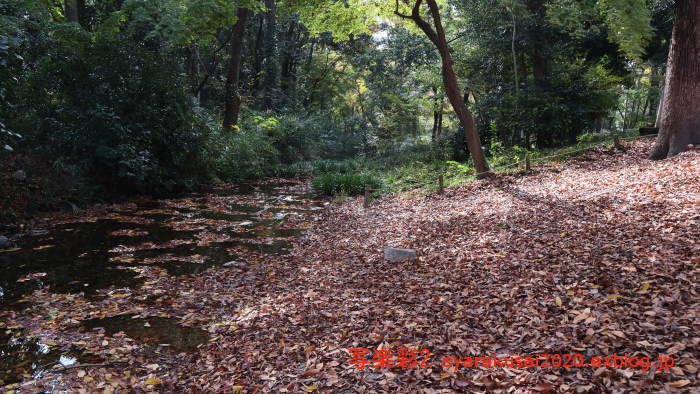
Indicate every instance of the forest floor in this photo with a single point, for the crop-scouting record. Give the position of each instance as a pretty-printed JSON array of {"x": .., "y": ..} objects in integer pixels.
[{"x": 597, "y": 256}]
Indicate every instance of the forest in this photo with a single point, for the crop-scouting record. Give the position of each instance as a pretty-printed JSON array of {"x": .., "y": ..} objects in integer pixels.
[{"x": 349, "y": 195}]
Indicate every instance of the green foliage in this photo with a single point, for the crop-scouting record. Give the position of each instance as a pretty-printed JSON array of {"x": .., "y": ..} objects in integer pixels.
[
  {"x": 350, "y": 184},
  {"x": 334, "y": 166},
  {"x": 301, "y": 169},
  {"x": 247, "y": 154},
  {"x": 305, "y": 169},
  {"x": 130, "y": 98},
  {"x": 589, "y": 138},
  {"x": 114, "y": 108},
  {"x": 629, "y": 24}
]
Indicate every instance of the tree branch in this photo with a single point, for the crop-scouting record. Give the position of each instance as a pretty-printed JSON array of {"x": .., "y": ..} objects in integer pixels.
[
  {"x": 422, "y": 24},
  {"x": 400, "y": 14}
]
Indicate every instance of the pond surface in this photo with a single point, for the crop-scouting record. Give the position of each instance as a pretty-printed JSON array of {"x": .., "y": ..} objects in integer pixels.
[
  {"x": 185, "y": 236},
  {"x": 161, "y": 333}
]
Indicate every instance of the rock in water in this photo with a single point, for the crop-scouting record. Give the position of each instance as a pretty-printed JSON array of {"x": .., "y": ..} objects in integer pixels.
[
  {"x": 396, "y": 254},
  {"x": 4, "y": 242},
  {"x": 235, "y": 264},
  {"x": 19, "y": 175}
]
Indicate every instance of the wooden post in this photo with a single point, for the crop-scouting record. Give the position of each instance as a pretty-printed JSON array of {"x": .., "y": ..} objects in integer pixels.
[
  {"x": 366, "y": 203},
  {"x": 441, "y": 184},
  {"x": 527, "y": 161},
  {"x": 616, "y": 142}
]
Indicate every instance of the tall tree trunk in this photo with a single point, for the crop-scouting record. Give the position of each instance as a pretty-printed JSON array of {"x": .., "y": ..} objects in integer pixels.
[
  {"x": 71, "y": 10},
  {"x": 287, "y": 55},
  {"x": 271, "y": 68},
  {"x": 232, "y": 100},
  {"x": 449, "y": 78},
  {"x": 680, "y": 118},
  {"x": 257, "y": 55}
]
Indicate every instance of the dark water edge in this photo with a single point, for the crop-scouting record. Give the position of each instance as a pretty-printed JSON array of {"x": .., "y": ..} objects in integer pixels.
[{"x": 97, "y": 253}]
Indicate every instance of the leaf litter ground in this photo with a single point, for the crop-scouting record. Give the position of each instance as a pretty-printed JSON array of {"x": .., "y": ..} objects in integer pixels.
[{"x": 594, "y": 256}]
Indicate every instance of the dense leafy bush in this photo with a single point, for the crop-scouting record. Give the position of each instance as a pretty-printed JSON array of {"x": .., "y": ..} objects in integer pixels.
[
  {"x": 334, "y": 166},
  {"x": 245, "y": 154},
  {"x": 319, "y": 167},
  {"x": 350, "y": 184},
  {"x": 114, "y": 107}
]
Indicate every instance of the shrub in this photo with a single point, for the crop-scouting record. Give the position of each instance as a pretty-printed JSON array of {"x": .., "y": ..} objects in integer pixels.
[
  {"x": 333, "y": 166},
  {"x": 301, "y": 169},
  {"x": 350, "y": 184},
  {"x": 246, "y": 154},
  {"x": 115, "y": 109}
]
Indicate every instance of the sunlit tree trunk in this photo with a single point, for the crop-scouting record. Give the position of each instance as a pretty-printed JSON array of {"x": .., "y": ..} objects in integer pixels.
[
  {"x": 680, "y": 116},
  {"x": 232, "y": 100},
  {"x": 466, "y": 119}
]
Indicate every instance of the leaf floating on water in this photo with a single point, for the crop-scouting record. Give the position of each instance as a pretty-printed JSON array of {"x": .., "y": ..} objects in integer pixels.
[{"x": 28, "y": 277}]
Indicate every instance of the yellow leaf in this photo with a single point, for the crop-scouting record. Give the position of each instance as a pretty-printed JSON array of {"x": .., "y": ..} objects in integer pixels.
[
  {"x": 236, "y": 389},
  {"x": 43, "y": 247},
  {"x": 557, "y": 301},
  {"x": 311, "y": 388},
  {"x": 644, "y": 287},
  {"x": 680, "y": 383},
  {"x": 153, "y": 381}
]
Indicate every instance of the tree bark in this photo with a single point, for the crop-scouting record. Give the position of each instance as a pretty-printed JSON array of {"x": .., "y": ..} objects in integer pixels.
[
  {"x": 449, "y": 78},
  {"x": 680, "y": 116},
  {"x": 257, "y": 56},
  {"x": 71, "y": 10},
  {"x": 232, "y": 100},
  {"x": 271, "y": 68}
]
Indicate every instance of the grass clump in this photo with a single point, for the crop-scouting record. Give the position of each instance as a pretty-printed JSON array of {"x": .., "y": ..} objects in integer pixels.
[
  {"x": 349, "y": 184},
  {"x": 306, "y": 169},
  {"x": 333, "y": 166}
]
